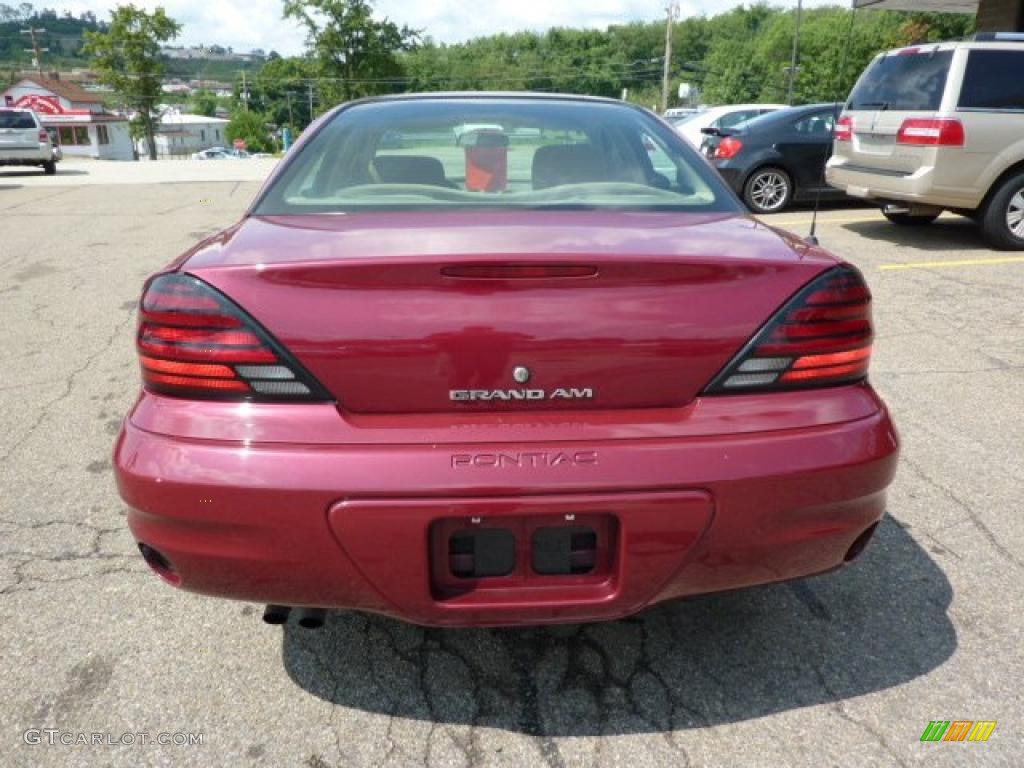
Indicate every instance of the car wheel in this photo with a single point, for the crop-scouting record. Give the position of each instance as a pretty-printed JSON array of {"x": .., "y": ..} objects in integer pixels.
[
  {"x": 1003, "y": 222},
  {"x": 768, "y": 190},
  {"x": 910, "y": 220},
  {"x": 50, "y": 168}
]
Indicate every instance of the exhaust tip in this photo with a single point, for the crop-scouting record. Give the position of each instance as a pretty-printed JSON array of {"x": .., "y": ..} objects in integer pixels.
[
  {"x": 312, "y": 618},
  {"x": 160, "y": 565},
  {"x": 276, "y": 614},
  {"x": 860, "y": 543}
]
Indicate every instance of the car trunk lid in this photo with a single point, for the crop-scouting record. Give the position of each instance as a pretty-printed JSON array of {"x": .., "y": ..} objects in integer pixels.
[{"x": 421, "y": 312}]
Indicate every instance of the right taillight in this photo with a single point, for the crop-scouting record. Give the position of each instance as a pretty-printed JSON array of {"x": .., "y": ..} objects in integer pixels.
[
  {"x": 844, "y": 129},
  {"x": 932, "y": 132},
  {"x": 727, "y": 147},
  {"x": 195, "y": 342},
  {"x": 44, "y": 136},
  {"x": 821, "y": 337}
]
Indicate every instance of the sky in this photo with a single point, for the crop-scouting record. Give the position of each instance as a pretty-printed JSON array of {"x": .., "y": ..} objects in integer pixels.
[{"x": 248, "y": 24}]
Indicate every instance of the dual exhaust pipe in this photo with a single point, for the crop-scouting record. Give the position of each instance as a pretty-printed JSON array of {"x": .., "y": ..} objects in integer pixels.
[{"x": 308, "y": 618}]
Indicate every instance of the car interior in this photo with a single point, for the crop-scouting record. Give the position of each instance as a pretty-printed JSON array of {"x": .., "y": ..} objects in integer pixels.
[{"x": 494, "y": 158}]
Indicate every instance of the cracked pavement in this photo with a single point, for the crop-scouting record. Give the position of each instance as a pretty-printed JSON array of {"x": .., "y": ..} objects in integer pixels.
[{"x": 842, "y": 669}]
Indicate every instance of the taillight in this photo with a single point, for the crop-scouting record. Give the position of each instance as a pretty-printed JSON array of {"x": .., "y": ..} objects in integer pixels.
[
  {"x": 727, "y": 147},
  {"x": 44, "y": 136},
  {"x": 935, "y": 132},
  {"x": 821, "y": 337},
  {"x": 195, "y": 342},
  {"x": 844, "y": 129}
]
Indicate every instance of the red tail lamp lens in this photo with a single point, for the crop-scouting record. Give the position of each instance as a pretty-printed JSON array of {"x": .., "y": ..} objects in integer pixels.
[
  {"x": 844, "y": 129},
  {"x": 931, "y": 132},
  {"x": 821, "y": 337},
  {"x": 195, "y": 342},
  {"x": 728, "y": 147}
]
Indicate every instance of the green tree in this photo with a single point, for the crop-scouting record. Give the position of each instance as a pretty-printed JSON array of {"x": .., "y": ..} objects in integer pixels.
[
  {"x": 126, "y": 56},
  {"x": 357, "y": 53},
  {"x": 204, "y": 102},
  {"x": 280, "y": 91},
  {"x": 250, "y": 127}
]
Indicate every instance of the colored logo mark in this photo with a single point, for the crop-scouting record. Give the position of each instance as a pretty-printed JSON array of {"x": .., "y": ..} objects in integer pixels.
[{"x": 958, "y": 730}]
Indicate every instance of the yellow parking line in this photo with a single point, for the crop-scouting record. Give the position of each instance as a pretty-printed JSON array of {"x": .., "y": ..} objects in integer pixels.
[{"x": 961, "y": 263}]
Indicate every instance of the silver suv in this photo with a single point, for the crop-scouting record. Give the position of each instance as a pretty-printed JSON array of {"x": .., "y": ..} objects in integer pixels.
[
  {"x": 24, "y": 141},
  {"x": 939, "y": 126}
]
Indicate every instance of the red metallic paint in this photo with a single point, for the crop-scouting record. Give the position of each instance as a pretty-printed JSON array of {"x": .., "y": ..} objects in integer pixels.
[
  {"x": 325, "y": 504},
  {"x": 673, "y": 298}
]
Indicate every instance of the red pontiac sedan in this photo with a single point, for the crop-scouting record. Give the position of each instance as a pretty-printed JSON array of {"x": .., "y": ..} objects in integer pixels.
[{"x": 555, "y": 373}]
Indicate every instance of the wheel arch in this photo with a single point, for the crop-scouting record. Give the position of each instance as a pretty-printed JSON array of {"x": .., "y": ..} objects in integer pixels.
[
  {"x": 1011, "y": 170},
  {"x": 770, "y": 160}
]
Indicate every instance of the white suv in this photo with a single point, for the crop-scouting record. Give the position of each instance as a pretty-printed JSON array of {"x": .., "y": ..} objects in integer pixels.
[
  {"x": 24, "y": 141},
  {"x": 939, "y": 127}
]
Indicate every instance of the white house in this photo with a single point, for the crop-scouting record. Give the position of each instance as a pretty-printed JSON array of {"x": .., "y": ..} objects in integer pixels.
[
  {"x": 75, "y": 118},
  {"x": 178, "y": 133}
]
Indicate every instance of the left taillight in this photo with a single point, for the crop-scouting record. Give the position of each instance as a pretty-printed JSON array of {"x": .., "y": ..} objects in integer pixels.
[
  {"x": 931, "y": 132},
  {"x": 44, "y": 136},
  {"x": 195, "y": 342},
  {"x": 820, "y": 337},
  {"x": 727, "y": 147},
  {"x": 844, "y": 129}
]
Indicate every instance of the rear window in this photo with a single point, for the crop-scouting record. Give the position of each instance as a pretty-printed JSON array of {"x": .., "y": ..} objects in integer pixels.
[
  {"x": 494, "y": 153},
  {"x": 903, "y": 81},
  {"x": 993, "y": 80},
  {"x": 11, "y": 119}
]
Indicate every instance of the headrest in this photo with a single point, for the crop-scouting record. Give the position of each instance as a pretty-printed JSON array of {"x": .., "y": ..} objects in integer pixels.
[
  {"x": 410, "y": 169},
  {"x": 557, "y": 164}
]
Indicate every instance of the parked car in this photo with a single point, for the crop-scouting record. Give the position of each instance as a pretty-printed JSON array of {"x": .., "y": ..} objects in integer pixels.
[
  {"x": 213, "y": 153},
  {"x": 727, "y": 116},
  {"x": 778, "y": 158},
  {"x": 24, "y": 141},
  {"x": 678, "y": 113},
  {"x": 939, "y": 127},
  {"x": 221, "y": 153},
  {"x": 591, "y": 388}
]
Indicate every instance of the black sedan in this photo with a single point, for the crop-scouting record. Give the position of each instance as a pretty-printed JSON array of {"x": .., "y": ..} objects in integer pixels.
[{"x": 777, "y": 158}]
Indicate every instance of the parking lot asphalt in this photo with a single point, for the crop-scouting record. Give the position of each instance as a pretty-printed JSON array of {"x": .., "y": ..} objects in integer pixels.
[{"x": 843, "y": 669}]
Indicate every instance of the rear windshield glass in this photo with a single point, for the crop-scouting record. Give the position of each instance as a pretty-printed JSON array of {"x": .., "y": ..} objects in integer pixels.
[
  {"x": 903, "y": 81},
  {"x": 994, "y": 80},
  {"x": 11, "y": 119},
  {"x": 494, "y": 153}
]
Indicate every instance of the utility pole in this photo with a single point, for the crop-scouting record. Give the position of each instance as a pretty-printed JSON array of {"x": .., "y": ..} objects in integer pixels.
[
  {"x": 35, "y": 50},
  {"x": 796, "y": 51},
  {"x": 245, "y": 93},
  {"x": 291, "y": 120},
  {"x": 672, "y": 13},
  {"x": 310, "y": 87}
]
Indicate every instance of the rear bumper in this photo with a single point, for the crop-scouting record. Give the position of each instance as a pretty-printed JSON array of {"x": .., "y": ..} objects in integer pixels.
[
  {"x": 25, "y": 156},
  {"x": 924, "y": 186},
  {"x": 350, "y": 525}
]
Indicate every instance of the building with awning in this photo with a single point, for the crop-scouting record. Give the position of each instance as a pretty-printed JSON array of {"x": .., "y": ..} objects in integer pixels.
[
  {"x": 75, "y": 118},
  {"x": 992, "y": 15}
]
